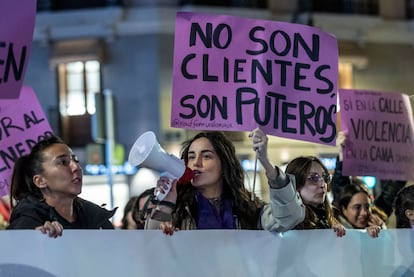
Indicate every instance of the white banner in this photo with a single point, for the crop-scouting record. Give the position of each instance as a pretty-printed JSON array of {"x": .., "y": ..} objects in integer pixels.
[{"x": 206, "y": 253}]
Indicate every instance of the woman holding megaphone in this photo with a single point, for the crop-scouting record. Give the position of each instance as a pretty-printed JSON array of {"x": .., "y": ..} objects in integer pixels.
[{"x": 216, "y": 197}]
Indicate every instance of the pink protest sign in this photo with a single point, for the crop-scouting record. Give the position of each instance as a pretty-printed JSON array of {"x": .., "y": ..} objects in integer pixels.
[
  {"x": 22, "y": 124},
  {"x": 235, "y": 74},
  {"x": 17, "y": 19},
  {"x": 380, "y": 134}
]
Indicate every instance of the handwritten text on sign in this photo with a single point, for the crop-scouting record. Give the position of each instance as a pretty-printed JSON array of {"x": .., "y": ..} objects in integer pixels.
[
  {"x": 233, "y": 73},
  {"x": 22, "y": 125},
  {"x": 17, "y": 20},
  {"x": 380, "y": 131}
]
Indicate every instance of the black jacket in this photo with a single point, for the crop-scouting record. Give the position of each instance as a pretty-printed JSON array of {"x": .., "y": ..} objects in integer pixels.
[{"x": 32, "y": 212}]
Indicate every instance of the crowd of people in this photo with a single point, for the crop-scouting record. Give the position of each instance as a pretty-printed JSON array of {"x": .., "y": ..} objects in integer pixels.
[{"x": 46, "y": 183}]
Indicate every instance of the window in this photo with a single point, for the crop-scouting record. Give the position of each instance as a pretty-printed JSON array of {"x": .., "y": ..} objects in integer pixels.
[
  {"x": 79, "y": 81},
  {"x": 78, "y": 65}
]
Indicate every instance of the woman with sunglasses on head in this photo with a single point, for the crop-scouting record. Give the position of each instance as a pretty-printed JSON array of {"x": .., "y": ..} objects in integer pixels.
[
  {"x": 216, "y": 197},
  {"x": 44, "y": 190}
]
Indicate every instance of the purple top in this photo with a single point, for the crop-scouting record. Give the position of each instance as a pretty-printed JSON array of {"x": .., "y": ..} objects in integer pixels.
[{"x": 210, "y": 218}]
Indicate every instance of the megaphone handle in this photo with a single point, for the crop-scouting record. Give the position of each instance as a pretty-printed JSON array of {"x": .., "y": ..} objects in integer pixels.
[{"x": 161, "y": 195}]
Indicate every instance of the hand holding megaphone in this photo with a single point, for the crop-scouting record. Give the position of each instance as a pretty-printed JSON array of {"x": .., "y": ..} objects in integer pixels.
[
  {"x": 164, "y": 189},
  {"x": 147, "y": 152}
]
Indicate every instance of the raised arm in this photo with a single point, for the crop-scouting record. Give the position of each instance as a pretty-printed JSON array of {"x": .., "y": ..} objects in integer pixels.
[
  {"x": 339, "y": 180},
  {"x": 285, "y": 209}
]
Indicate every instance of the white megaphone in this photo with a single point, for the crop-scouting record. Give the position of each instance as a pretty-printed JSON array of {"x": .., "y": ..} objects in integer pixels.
[{"x": 147, "y": 152}]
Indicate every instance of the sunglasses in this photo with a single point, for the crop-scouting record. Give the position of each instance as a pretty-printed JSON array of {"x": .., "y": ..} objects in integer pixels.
[{"x": 316, "y": 178}]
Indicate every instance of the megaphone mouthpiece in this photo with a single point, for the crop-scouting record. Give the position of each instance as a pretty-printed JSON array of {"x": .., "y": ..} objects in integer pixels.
[{"x": 186, "y": 177}]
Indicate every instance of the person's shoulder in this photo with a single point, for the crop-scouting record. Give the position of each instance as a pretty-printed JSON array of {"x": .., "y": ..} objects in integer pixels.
[
  {"x": 29, "y": 213},
  {"x": 92, "y": 215},
  {"x": 88, "y": 205},
  {"x": 32, "y": 204}
]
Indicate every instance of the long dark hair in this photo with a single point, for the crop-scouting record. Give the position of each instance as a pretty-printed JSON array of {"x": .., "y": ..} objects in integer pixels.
[
  {"x": 138, "y": 214},
  {"x": 347, "y": 192},
  {"x": 128, "y": 208},
  {"x": 26, "y": 167},
  {"x": 246, "y": 210},
  {"x": 345, "y": 196},
  {"x": 403, "y": 201},
  {"x": 300, "y": 167}
]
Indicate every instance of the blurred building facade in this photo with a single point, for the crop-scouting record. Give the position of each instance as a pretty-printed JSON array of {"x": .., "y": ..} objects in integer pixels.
[{"x": 83, "y": 47}]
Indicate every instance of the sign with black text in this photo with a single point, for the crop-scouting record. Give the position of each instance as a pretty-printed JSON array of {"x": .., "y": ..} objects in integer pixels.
[
  {"x": 17, "y": 20},
  {"x": 380, "y": 134},
  {"x": 22, "y": 124},
  {"x": 235, "y": 74}
]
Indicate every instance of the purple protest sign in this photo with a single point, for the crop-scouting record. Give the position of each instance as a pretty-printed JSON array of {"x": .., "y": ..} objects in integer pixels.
[
  {"x": 17, "y": 19},
  {"x": 235, "y": 74},
  {"x": 22, "y": 124},
  {"x": 380, "y": 134}
]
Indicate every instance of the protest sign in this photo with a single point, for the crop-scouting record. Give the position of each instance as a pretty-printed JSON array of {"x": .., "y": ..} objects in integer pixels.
[
  {"x": 17, "y": 20},
  {"x": 22, "y": 124},
  {"x": 235, "y": 74},
  {"x": 380, "y": 134}
]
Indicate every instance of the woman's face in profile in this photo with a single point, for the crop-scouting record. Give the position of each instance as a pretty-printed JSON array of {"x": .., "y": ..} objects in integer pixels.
[
  {"x": 62, "y": 174},
  {"x": 315, "y": 188}
]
